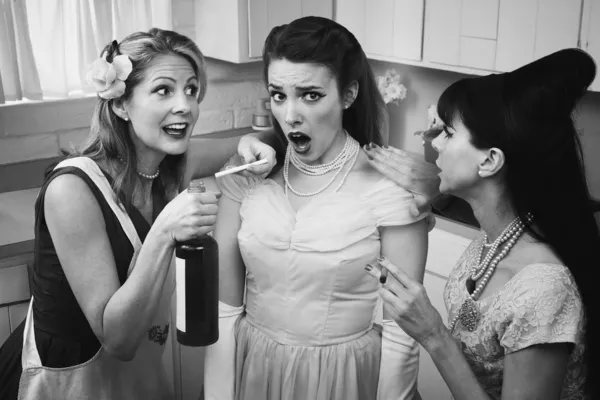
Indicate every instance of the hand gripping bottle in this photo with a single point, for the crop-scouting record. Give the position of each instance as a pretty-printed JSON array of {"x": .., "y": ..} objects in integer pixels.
[{"x": 197, "y": 287}]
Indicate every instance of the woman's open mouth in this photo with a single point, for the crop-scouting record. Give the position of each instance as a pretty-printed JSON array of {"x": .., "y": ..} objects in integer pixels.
[
  {"x": 176, "y": 131},
  {"x": 299, "y": 141}
]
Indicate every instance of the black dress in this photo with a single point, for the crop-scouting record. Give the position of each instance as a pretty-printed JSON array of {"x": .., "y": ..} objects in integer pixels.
[{"x": 62, "y": 333}]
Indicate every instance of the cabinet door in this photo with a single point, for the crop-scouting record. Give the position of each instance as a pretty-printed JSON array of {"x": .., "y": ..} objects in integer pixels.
[
  {"x": 388, "y": 28},
  {"x": 478, "y": 30},
  {"x": 530, "y": 29},
  {"x": 408, "y": 19},
  {"x": 351, "y": 14},
  {"x": 442, "y": 31},
  {"x": 4, "y": 325},
  {"x": 461, "y": 32},
  {"x": 263, "y": 15},
  {"x": 590, "y": 35},
  {"x": 431, "y": 384}
]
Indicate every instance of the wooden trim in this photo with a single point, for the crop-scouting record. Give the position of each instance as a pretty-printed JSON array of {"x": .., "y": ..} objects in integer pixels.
[
  {"x": 15, "y": 250},
  {"x": 24, "y": 174}
]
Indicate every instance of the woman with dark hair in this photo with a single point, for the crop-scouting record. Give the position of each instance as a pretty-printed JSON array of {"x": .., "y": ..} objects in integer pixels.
[
  {"x": 297, "y": 311},
  {"x": 106, "y": 223},
  {"x": 521, "y": 322}
]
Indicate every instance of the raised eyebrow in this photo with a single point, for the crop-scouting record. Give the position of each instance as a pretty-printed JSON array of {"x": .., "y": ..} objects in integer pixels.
[
  {"x": 308, "y": 88},
  {"x": 168, "y": 78},
  {"x": 191, "y": 78}
]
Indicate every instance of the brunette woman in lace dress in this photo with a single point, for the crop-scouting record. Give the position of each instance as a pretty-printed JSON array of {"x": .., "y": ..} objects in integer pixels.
[{"x": 521, "y": 325}]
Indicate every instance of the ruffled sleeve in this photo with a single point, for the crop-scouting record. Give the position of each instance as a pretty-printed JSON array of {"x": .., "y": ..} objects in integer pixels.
[
  {"x": 390, "y": 204},
  {"x": 542, "y": 306},
  {"x": 237, "y": 186}
]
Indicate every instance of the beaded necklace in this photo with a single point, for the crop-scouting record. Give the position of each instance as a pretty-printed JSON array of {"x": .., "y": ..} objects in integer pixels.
[
  {"x": 146, "y": 176},
  {"x": 349, "y": 152},
  {"x": 468, "y": 313}
]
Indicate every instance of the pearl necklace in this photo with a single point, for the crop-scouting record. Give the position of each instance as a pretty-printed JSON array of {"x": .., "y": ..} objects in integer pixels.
[
  {"x": 145, "y": 176},
  {"x": 350, "y": 151},
  {"x": 477, "y": 270},
  {"x": 469, "y": 314},
  {"x": 322, "y": 169}
]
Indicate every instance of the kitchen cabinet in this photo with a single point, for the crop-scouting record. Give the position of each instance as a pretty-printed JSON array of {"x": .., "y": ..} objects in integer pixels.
[
  {"x": 4, "y": 325},
  {"x": 387, "y": 29},
  {"x": 498, "y": 35},
  {"x": 447, "y": 242},
  {"x": 235, "y": 30},
  {"x": 590, "y": 35},
  {"x": 430, "y": 382},
  {"x": 14, "y": 292}
]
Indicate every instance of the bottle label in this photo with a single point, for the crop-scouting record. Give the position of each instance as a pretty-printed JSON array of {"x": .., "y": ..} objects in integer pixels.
[{"x": 180, "y": 293}]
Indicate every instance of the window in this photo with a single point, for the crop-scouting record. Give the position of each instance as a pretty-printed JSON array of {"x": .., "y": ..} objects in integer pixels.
[{"x": 46, "y": 45}]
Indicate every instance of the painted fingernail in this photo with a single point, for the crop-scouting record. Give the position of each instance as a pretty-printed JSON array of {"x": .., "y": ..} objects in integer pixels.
[
  {"x": 218, "y": 195},
  {"x": 380, "y": 259},
  {"x": 368, "y": 267},
  {"x": 386, "y": 147},
  {"x": 370, "y": 158},
  {"x": 374, "y": 145}
]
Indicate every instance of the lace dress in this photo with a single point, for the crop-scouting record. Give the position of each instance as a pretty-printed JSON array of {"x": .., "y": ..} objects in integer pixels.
[{"x": 540, "y": 304}]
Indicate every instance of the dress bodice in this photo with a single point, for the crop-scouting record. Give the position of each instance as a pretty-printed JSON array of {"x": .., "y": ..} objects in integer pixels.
[{"x": 306, "y": 282}]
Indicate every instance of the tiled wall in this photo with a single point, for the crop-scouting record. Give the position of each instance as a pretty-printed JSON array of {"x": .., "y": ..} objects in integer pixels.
[{"x": 32, "y": 131}]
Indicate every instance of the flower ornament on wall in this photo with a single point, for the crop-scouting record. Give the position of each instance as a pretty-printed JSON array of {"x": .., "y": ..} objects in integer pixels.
[
  {"x": 108, "y": 78},
  {"x": 390, "y": 87}
]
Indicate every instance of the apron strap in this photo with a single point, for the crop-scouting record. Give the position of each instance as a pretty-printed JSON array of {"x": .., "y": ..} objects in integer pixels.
[{"x": 29, "y": 357}]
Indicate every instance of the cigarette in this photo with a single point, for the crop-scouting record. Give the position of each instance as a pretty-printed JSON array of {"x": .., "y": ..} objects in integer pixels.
[
  {"x": 240, "y": 168},
  {"x": 383, "y": 276}
]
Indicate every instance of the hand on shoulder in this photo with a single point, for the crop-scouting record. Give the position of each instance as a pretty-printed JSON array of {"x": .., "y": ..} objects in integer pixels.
[{"x": 408, "y": 170}]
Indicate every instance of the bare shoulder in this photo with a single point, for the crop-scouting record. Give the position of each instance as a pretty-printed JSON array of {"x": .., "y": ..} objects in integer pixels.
[
  {"x": 363, "y": 173},
  {"x": 70, "y": 201}
]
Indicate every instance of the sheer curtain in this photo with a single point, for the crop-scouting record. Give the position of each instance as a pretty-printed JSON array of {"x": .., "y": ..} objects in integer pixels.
[
  {"x": 18, "y": 75},
  {"x": 62, "y": 37}
]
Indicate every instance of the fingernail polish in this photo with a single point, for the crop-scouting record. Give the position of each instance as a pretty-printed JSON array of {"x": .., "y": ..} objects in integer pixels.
[
  {"x": 380, "y": 259},
  {"x": 368, "y": 267},
  {"x": 386, "y": 147},
  {"x": 370, "y": 158}
]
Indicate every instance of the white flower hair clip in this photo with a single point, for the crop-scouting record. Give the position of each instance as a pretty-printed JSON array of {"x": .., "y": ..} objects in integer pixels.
[
  {"x": 390, "y": 87},
  {"x": 108, "y": 78}
]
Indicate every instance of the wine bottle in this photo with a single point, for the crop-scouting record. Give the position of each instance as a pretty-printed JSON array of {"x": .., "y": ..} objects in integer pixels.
[{"x": 197, "y": 287}]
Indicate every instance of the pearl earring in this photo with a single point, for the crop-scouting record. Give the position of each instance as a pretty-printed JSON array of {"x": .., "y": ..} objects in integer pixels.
[
  {"x": 126, "y": 118},
  {"x": 480, "y": 173}
]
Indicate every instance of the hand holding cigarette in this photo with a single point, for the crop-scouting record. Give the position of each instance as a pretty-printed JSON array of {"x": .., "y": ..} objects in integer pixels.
[{"x": 233, "y": 170}]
